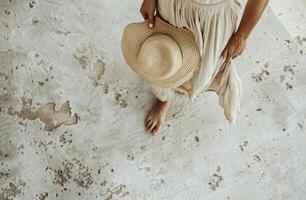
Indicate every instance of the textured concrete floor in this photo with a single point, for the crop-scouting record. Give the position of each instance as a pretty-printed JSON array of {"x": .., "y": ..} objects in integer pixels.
[
  {"x": 72, "y": 113},
  {"x": 292, "y": 14}
]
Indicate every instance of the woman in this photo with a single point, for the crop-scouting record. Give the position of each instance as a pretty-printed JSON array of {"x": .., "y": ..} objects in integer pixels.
[{"x": 214, "y": 25}]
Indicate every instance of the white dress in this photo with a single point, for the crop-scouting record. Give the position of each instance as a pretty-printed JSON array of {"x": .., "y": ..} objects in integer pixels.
[{"x": 212, "y": 22}]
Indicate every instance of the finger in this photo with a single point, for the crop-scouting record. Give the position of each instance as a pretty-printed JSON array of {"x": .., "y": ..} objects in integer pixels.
[
  {"x": 228, "y": 57},
  {"x": 151, "y": 20},
  {"x": 143, "y": 11},
  {"x": 237, "y": 51},
  {"x": 235, "y": 54},
  {"x": 144, "y": 15},
  {"x": 242, "y": 49},
  {"x": 224, "y": 53}
]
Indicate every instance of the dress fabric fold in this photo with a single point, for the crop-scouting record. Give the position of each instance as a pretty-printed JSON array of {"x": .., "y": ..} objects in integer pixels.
[{"x": 212, "y": 23}]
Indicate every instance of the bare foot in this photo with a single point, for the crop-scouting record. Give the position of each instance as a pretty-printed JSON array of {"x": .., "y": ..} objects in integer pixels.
[{"x": 156, "y": 116}]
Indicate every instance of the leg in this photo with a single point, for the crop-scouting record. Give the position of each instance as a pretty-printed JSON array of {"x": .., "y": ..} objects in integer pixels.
[{"x": 157, "y": 114}]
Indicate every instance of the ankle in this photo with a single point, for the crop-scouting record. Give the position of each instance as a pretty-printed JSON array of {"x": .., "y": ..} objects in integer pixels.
[
  {"x": 164, "y": 105},
  {"x": 163, "y": 102}
]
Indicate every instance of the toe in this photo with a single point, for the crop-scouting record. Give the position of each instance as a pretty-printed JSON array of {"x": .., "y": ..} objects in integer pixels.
[
  {"x": 148, "y": 124},
  {"x": 152, "y": 127},
  {"x": 148, "y": 118},
  {"x": 151, "y": 121},
  {"x": 157, "y": 128}
]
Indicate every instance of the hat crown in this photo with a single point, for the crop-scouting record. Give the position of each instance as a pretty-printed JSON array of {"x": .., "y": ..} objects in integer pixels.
[
  {"x": 160, "y": 56},
  {"x": 165, "y": 55}
]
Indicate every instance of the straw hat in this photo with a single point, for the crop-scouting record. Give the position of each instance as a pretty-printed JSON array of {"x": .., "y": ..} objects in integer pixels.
[{"x": 165, "y": 56}]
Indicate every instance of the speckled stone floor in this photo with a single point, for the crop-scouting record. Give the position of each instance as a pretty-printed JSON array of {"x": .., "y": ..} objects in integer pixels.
[{"x": 72, "y": 112}]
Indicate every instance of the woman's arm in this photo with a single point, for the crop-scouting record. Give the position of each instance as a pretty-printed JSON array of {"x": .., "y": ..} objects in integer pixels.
[{"x": 252, "y": 13}]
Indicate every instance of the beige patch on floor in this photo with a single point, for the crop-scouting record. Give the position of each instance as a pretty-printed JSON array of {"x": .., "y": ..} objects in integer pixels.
[
  {"x": 90, "y": 60},
  {"x": 47, "y": 114}
]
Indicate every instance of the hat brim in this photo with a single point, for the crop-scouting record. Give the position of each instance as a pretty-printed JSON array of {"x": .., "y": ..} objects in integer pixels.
[{"x": 136, "y": 33}]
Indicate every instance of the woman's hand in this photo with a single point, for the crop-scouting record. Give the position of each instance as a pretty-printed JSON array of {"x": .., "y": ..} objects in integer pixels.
[
  {"x": 252, "y": 13},
  {"x": 234, "y": 47},
  {"x": 147, "y": 10}
]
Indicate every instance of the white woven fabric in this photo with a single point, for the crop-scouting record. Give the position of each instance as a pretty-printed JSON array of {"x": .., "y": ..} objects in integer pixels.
[{"x": 212, "y": 23}]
